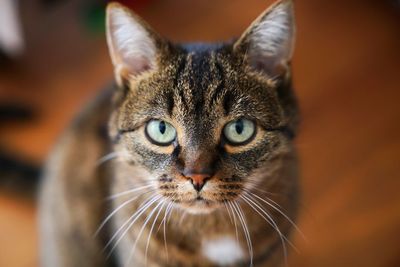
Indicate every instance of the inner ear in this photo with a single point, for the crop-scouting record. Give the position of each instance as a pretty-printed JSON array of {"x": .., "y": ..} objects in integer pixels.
[
  {"x": 267, "y": 44},
  {"x": 134, "y": 47}
]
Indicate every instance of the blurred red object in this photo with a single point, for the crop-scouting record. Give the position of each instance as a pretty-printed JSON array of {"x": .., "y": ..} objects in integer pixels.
[{"x": 134, "y": 4}]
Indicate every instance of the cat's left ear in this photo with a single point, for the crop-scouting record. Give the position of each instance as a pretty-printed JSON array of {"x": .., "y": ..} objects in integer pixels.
[
  {"x": 133, "y": 45},
  {"x": 267, "y": 44}
]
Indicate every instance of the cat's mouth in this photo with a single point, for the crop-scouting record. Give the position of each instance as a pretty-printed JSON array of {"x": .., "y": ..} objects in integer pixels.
[
  {"x": 200, "y": 201},
  {"x": 199, "y": 198},
  {"x": 199, "y": 204}
]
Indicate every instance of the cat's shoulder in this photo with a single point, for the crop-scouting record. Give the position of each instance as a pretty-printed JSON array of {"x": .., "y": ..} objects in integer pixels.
[
  {"x": 95, "y": 114},
  {"x": 85, "y": 139}
]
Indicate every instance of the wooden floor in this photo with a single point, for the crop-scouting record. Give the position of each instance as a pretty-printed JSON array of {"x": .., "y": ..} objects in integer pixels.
[{"x": 347, "y": 76}]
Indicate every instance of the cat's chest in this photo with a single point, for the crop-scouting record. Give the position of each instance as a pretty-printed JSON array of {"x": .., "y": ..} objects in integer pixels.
[{"x": 222, "y": 251}]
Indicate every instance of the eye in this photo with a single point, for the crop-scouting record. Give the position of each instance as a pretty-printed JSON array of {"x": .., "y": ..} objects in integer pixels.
[
  {"x": 240, "y": 131},
  {"x": 160, "y": 132}
]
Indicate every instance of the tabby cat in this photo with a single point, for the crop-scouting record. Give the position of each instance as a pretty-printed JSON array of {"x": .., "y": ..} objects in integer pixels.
[{"x": 188, "y": 161}]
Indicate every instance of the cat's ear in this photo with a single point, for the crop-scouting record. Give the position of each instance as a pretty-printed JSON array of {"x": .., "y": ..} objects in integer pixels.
[
  {"x": 267, "y": 44},
  {"x": 133, "y": 45}
]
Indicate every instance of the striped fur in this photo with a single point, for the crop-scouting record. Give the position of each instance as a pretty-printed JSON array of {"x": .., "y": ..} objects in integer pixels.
[{"x": 198, "y": 88}]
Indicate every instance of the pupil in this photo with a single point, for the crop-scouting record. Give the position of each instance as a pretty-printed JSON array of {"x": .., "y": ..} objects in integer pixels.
[
  {"x": 162, "y": 127},
  {"x": 239, "y": 126}
]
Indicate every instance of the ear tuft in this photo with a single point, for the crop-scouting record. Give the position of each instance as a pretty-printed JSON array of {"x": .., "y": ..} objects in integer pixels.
[
  {"x": 132, "y": 45},
  {"x": 268, "y": 42}
]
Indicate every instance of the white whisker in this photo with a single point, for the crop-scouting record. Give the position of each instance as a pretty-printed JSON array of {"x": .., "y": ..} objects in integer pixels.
[
  {"x": 151, "y": 230},
  {"x": 164, "y": 221},
  {"x": 183, "y": 216},
  {"x": 133, "y": 190},
  {"x": 245, "y": 230},
  {"x": 131, "y": 221},
  {"x": 142, "y": 229},
  {"x": 110, "y": 156},
  {"x": 228, "y": 211},
  {"x": 234, "y": 221},
  {"x": 280, "y": 212},
  {"x": 116, "y": 210},
  {"x": 170, "y": 214},
  {"x": 263, "y": 191},
  {"x": 270, "y": 221}
]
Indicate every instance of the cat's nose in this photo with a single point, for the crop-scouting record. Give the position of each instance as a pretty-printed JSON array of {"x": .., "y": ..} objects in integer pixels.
[{"x": 198, "y": 180}]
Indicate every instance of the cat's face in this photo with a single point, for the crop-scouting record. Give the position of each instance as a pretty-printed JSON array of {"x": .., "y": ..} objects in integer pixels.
[{"x": 205, "y": 122}]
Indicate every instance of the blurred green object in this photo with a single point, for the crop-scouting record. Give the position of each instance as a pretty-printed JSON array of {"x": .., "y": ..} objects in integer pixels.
[
  {"x": 94, "y": 13},
  {"x": 94, "y": 17}
]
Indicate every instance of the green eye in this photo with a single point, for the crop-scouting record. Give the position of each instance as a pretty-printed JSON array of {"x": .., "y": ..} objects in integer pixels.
[
  {"x": 240, "y": 131},
  {"x": 160, "y": 132}
]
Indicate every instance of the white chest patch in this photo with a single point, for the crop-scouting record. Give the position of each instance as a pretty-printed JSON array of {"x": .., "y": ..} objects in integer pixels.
[{"x": 222, "y": 251}]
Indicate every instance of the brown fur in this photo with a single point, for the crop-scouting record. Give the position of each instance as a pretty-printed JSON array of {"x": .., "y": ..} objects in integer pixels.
[{"x": 198, "y": 91}]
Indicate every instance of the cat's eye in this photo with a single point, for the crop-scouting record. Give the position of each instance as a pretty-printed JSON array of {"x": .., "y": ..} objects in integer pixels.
[
  {"x": 239, "y": 132},
  {"x": 160, "y": 132}
]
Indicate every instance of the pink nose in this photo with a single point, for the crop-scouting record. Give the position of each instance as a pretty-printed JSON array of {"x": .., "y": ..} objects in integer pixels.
[{"x": 198, "y": 180}]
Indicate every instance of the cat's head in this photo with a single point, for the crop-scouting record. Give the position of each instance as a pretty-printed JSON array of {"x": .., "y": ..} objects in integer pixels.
[{"x": 205, "y": 122}]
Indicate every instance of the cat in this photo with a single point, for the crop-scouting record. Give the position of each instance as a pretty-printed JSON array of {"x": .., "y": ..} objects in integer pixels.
[{"x": 187, "y": 161}]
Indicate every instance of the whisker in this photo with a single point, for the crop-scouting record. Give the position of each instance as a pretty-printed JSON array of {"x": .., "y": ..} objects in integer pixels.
[
  {"x": 163, "y": 222},
  {"x": 183, "y": 216},
  {"x": 280, "y": 212},
  {"x": 169, "y": 209},
  {"x": 255, "y": 187},
  {"x": 272, "y": 194},
  {"x": 227, "y": 211},
  {"x": 142, "y": 229},
  {"x": 116, "y": 210},
  {"x": 151, "y": 230},
  {"x": 133, "y": 190},
  {"x": 270, "y": 222},
  {"x": 259, "y": 206},
  {"x": 245, "y": 230},
  {"x": 131, "y": 221},
  {"x": 170, "y": 214},
  {"x": 234, "y": 221},
  {"x": 110, "y": 156},
  {"x": 254, "y": 204}
]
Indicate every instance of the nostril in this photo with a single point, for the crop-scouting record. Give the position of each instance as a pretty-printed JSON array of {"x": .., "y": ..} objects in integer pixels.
[
  {"x": 198, "y": 184},
  {"x": 198, "y": 179}
]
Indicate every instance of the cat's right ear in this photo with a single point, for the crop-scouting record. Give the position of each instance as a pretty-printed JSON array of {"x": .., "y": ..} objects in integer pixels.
[{"x": 133, "y": 45}]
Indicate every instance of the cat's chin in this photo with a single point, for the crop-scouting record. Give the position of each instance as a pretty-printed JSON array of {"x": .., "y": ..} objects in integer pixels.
[{"x": 199, "y": 206}]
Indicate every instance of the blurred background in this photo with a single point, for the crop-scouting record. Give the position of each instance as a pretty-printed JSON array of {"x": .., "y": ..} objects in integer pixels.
[{"x": 53, "y": 59}]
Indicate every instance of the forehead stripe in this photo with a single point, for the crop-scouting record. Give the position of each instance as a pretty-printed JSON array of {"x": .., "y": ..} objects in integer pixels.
[{"x": 220, "y": 78}]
